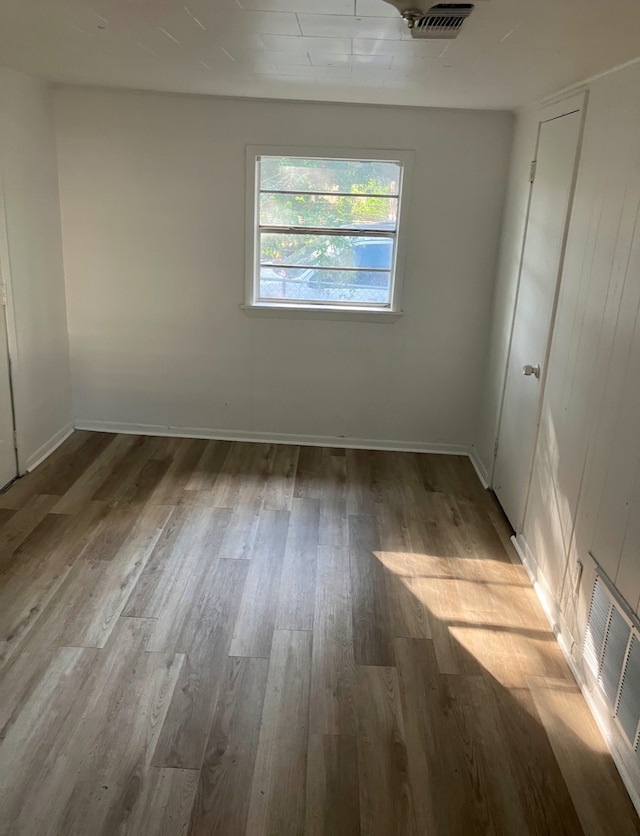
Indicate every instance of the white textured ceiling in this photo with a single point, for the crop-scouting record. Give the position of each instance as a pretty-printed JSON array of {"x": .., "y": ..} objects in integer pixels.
[{"x": 510, "y": 52}]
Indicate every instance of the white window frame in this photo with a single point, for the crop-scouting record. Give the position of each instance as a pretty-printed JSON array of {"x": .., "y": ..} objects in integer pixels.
[{"x": 313, "y": 310}]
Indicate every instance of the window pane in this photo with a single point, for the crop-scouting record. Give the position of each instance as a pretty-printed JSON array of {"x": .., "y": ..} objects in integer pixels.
[
  {"x": 349, "y": 287},
  {"x": 328, "y": 211},
  {"x": 326, "y": 251},
  {"x": 315, "y": 175}
]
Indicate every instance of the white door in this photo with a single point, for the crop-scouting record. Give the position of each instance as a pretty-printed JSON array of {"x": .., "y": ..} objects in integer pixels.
[
  {"x": 8, "y": 470},
  {"x": 556, "y": 160}
]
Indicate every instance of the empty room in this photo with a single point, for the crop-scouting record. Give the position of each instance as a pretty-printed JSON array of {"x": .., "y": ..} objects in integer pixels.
[{"x": 319, "y": 418}]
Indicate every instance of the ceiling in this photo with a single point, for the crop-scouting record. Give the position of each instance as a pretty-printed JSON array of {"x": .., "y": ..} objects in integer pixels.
[{"x": 509, "y": 52}]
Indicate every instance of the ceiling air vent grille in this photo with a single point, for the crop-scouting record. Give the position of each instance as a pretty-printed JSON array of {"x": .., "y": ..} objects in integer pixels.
[{"x": 441, "y": 21}]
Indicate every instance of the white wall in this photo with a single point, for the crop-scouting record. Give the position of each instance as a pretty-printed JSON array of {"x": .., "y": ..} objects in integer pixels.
[
  {"x": 153, "y": 209},
  {"x": 506, "y": 286},
  {"x": 585, "y": 491},
  {"x": 31, "y": 263}
]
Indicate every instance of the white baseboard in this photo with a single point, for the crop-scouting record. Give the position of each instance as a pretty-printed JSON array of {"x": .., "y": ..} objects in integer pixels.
[
  {"x": 624, "y": 760},
  {"x": 554, "y": 614},
  {"x": 542, "y": 590},
  {"x": 278, "y": 438},
  {"x": 480, "y": 469},
  {"x": 46, "y": 449}
]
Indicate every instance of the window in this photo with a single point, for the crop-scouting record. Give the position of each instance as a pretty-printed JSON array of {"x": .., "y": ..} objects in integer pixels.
[{"x": 325, "y": 231}]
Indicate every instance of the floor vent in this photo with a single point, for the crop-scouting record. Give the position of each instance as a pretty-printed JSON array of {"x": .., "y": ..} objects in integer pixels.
[{"x": 611, "y": 654}]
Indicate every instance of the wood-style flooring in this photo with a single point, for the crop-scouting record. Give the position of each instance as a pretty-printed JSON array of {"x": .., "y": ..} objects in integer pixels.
[{"x": 206, "y": 637}]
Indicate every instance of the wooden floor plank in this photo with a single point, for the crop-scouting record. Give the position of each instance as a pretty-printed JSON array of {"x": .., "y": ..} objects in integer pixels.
[
  {"x": 142, "y": 488},
  {"x": 184, "y": 458},
  {"x": 530, "y": 760},
  {"x": 243, "y": 477},
  {"x": 222, "y": 800},
  {"x": 103, "y": 799},
  {"x": 593, "y": 781},
  {"x": 22, "y": 523},
  {"x": 372, "y": 630},
  {"x": 95, "y": 475},
  {"x": 454, "y": 754},
  {"x": 80, "y": 690},
  {"x": 333, "y": 803},
  {"x": 444, "y": 474},
  {"x": 333, "y": 527},
  {"x": 58, "y": 477},
  {"x": 20, "y": 676},
  {"x": 123, "y": 475},
  {"x": 5, "y": 516},
  {"x": 409, "y": 614},
  {"x": 163, "y": 805},
  {"x": 296, "y": 600},
  {"x": 257, "y": 614},
  {"x": 333, "y": 675},
  {"x": 203, "y": 634},
  {"x": 396, "y": 479},
  {"x": 309, "y": 480},
  {"x": 277, "y": 802},
  {"x": 437, "y": 551},
  {"x": 36, "y": 543},
  {"x": 182, "y": 529},
  {"x": 39, "y": 566},
  {"x": 362, "y": 492},
  {"x": 387, "y": 807},
  {"x": 208, "y": 467},
  {"x": 281, "y": 483},
  {"x": 88, "y": 603},
  {"x": 241, "y": 532},
  {"x": 32, "y": 737},
  {"x": 189, "y": 542}
]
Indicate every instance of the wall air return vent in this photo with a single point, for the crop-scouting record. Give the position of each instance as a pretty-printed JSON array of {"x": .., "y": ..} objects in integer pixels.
[
  {"x": 611, "y": 654},
  {"x": 442, "y": 21},
  {"x": 598, "y": 618},
  {"x": 628, "y": 707}
]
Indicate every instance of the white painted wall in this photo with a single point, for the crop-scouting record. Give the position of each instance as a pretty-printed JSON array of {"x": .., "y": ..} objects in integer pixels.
[
  {"x": 153, "y": 209},
  {"x": 585, "y": 492},
  {"x": 31, "y": 263},
  {"x": 506, "y": 286}
]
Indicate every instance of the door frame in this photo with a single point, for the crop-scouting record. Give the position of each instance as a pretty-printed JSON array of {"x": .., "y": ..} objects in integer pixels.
[
  {"x": 553, "y": 109},
  {"x": 8, "y": 312}
]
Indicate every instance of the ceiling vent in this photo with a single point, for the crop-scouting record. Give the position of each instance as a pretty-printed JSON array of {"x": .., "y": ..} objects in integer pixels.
[{"x": 442, "y": 21}]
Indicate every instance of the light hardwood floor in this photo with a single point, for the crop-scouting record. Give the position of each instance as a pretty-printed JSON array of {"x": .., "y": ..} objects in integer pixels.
[{"x": 226, "y": 638}]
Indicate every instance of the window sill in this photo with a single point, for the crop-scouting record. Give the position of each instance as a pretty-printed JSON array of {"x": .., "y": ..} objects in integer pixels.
[{"x": 319, "y": 312}]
